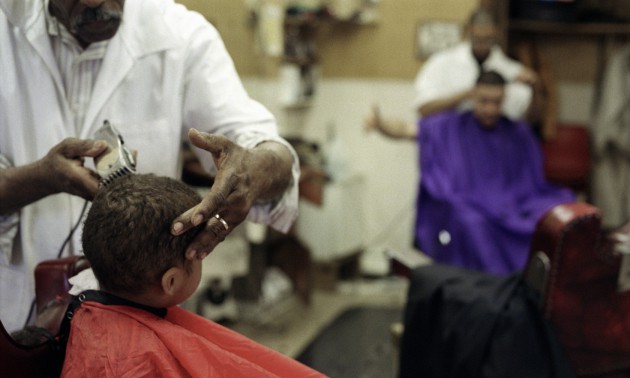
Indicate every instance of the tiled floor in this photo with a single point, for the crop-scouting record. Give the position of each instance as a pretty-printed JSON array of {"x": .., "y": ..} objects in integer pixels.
[{"x": 294, "y": 325}]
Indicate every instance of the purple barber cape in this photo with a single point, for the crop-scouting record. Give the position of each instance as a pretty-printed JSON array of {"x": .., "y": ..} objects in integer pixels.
[{"x": 482, "y": 191}]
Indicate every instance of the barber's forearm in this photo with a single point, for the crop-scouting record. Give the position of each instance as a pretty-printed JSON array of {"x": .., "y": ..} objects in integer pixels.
[
  {"x": 274, "y": 162},
  {"x": 21, "y": 186},
  {"x": 398, "y": 129},
  {"x": 443, "y": 104}
]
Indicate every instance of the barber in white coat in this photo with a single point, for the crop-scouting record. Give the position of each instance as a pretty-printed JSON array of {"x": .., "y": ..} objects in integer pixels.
[
  {"x": 447, "y": 78},
  {"x": 158, "y": 73}
]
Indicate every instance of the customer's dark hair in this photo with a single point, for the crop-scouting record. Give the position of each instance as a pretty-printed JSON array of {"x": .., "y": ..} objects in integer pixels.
[
  {"x": 491, "y": 78},
  {"x": 481, "y": 16},
  {"x": 126, "y": 235}
]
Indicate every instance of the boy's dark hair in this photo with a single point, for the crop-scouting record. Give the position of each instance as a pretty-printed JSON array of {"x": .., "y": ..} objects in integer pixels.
[
  {"x": 491, "y": 78},
  {"x": 127, "y": 237}
]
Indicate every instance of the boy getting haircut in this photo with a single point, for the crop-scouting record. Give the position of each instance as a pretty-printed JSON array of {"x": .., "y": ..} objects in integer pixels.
[
  {"x": 126, "y": 236},
  {"x": 133, "y": 326}
]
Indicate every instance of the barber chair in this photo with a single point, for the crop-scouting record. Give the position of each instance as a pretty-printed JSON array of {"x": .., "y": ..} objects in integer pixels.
[
  {"x": 52, "y": 298},
  {"x": 579, "y": 318},
  {"x": 579, "y": 270},
  {"x": 27, "y": 361}
]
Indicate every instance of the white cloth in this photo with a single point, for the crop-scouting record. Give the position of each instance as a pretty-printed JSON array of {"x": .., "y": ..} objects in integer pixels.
[
  {"x": 611, "y": 143},
  {"x": 8, "y": 225},
  {"x": 455, "y": 70},
  {"x": 165, "y": 71},
  {"x": 82, "y": 281}
]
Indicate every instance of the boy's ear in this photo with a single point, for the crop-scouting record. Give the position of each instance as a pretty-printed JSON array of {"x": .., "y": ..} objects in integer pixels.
[{"x": 171, "y": 280}]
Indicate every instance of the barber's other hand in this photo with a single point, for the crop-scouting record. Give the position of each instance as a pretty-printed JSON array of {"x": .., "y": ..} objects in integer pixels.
[
  {"x": 64, "y": 171},
  {"x": 244, "y": 176},
  {"x": 372, "y": 120},
  {"x": 527, "y": 76}
]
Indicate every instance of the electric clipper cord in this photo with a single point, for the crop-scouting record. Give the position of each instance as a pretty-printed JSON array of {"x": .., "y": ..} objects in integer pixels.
[{"x": 117, "y": 161}]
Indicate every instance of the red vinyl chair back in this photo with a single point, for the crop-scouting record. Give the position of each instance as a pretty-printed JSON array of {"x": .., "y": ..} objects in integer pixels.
[
  {"x": 52, "y": 298},
  {"x": 22, "y": 361},
  {"x": 574, "y": 266}
]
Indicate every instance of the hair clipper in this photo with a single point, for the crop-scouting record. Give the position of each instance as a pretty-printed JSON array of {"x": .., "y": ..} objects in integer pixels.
[{"x": 117, "y": 160}]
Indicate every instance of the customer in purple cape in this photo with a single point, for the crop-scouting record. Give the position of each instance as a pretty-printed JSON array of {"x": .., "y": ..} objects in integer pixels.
[{"x": 482, "y": 186}]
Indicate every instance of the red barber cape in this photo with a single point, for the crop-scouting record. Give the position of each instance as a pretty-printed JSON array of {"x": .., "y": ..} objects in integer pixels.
[{"x": 123, "y": 341}]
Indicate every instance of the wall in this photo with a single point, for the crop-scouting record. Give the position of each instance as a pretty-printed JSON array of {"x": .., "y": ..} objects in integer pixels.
[
  {"x": 384, "y": 50},
  {"x": 231, "y": 19},
  {"x": 389, "y": 167},
  {"x": 576, "y": 59},
  {"x": 387, "y": 49}
]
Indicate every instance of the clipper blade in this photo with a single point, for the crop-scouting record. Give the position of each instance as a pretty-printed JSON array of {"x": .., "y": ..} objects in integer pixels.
[{"x": 117, "y": 161}]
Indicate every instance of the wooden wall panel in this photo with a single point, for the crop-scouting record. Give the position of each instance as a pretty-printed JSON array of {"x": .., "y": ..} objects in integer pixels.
[{"x": 383, "y": 50}]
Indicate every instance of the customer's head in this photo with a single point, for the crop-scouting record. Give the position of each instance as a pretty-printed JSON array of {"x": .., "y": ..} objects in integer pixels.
[
  {"x": 127, "y": 240},
  {"x": 488, "y": 98},
  {"x": 482, "y": 30}
]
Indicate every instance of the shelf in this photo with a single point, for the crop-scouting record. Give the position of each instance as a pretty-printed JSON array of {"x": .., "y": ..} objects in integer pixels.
[{"x": 568, "y": 28}]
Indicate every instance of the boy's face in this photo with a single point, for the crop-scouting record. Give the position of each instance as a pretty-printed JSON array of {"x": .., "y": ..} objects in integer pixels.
[{"x": 191, "y": 282}]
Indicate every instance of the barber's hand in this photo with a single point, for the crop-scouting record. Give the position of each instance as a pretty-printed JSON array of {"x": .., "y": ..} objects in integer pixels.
[
  {"x": 389, "y": 127},
  {"x": 64, "y": 170},
  {"x": 372, "y": 120},
  {"x": 244, "y": 176},
  {"x": 527, "y": 76}
]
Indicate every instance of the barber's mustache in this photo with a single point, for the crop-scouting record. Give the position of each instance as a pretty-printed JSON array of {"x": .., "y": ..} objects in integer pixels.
[{"x": 95, "y": 14}]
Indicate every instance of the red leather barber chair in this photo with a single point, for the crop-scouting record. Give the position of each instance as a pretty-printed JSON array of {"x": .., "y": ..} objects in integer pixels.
[
  {"x": 52, "y": 298},
  {"x": 575, "y": 265}
]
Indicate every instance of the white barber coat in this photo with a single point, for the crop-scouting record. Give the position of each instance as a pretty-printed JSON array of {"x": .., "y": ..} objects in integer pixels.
[
  {"x": 165, "y": 71},
  {"x": 455, "y": 70},
  {"x": 610, "y": 132}
]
